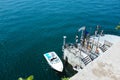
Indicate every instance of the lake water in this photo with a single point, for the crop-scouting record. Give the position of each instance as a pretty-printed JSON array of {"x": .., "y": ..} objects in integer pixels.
[{"x": 30, "y": 28}]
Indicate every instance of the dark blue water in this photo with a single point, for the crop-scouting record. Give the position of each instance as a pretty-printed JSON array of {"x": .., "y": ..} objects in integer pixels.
[{"x": 30, "y": 28}]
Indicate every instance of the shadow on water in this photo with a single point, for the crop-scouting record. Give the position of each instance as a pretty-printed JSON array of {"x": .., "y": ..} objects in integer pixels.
[{"x": 67, "y": 72}]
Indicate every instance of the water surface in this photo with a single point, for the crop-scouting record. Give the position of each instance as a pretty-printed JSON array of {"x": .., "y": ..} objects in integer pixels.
[{"x": 30, "y": 28}]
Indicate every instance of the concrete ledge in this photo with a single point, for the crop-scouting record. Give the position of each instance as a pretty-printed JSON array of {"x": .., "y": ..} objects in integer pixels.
[{"x": 105, "y": 67}]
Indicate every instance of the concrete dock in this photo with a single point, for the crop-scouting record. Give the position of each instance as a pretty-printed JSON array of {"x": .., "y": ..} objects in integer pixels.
[{"x": 105, "y": 67}]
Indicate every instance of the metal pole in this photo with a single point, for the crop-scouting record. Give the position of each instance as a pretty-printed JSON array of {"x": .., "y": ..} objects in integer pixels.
[{"x": 64, "y": 40}]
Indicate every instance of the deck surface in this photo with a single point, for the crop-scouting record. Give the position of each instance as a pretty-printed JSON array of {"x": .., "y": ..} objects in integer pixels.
[{"x": 105, "y": 67}]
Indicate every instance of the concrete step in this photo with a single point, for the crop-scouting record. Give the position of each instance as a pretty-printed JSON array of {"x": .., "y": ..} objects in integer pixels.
[{"x": 86, "y": 60}]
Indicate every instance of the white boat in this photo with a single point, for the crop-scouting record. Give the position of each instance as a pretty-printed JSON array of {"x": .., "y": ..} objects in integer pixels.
[{"x": 54, "y": 61}]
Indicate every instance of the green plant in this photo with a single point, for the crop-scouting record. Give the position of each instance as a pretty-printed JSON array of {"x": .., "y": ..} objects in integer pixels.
[
  {"x": 31, "y": 77},
  {"x": 118, "y": 27},
  {"x": 64, "y": 78}
]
